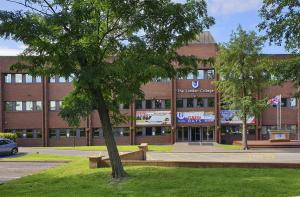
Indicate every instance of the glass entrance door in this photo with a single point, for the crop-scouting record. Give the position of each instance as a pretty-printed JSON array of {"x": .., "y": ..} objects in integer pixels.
[
  {"x": 195, "y": 134},
  {"x": 208, "y": 134}
]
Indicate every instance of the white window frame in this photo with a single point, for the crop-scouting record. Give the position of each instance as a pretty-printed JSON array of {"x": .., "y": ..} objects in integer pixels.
[
  {"x": 38, "y": 79},
  {"x": 38, "y": 104},
  {"x": 8, "y": 78},
  {"x": 28, "y": 78},
  {"x": 29, "y": 106},
  {"x": 18, "y": 78},
  {"x": 19, "y": 106}
]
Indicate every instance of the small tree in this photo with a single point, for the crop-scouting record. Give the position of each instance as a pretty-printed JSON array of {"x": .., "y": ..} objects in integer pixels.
[
  {"x": 281, "y": 21},
  {"x": 111, "y": 46},
  {"x": 243, "y": 73}
]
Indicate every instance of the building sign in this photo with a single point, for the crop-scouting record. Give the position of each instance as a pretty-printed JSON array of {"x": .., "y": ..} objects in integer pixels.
[
  {"x": 153, "y": 117},
  {"x": 195, "y": 86},
  {"x": 195, "y": 117},
  {"x": 209, "y": 91},
  {"x": 230, "y": 117}
]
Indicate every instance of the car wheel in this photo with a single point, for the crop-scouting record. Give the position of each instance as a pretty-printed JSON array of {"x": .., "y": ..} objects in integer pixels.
[{"x": 14, "y": 151}]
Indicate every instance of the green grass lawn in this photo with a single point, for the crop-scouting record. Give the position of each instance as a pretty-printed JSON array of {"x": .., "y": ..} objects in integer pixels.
[
  {"x": 124, "y": 148},
  {"x": 76, "y": 179},
  {"x": 42, "y": 157},
  {"x": 229, "y": 147}
]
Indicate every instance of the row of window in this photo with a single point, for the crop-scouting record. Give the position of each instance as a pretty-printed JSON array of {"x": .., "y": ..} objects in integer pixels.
[
  {"x": 287, "y": 102},
  {"x": 22, "y": 78},
  {"x": 26, "y": 133},
  {"x": 66, "y": 133},
  {"x": 153, "y": 104},
  {"x": 96, "y": 132},
  {"x": 201, "y": 74},
  {"x": 27, "y": 78},
  {"x": 23, "y": 106},
  {"x": 152, "y": 131},
  {"x": 195, "y": 102}
]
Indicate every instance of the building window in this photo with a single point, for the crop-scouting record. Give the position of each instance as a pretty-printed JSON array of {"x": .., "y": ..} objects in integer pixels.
[
  {"x": 210, "y": 102},
  {"x": 283, "y": 102},
  {"x": 167, "y": 104},
  {"x": 52, "y": 79},
  {"x": 38, "y": 106},
  {"x": 52, "y": 133},
  {"x": 53, "y": 106},
  {"x": 148, "y": 131},
  {"x": 190, "y": 102},
  {"x": 7, "y": 78},
  {"x": 18, "y": 78},
  {"x": 158, "y": 104},
  {"x": 210, "y": 74},
  {"x": 38, "y": 79},
  {"x": 200, "y": 102},
  {"x": 9, "y": 106},
  {"x": 148, "y": 104},
  {"x": 158, "y": 131},
  {"x": 179, "y": 103},
  {"x": 29, "y": 106},
  {"x": 19, "y": 106},
  {"x": 28, "y": 78},
  {"x": 139, "y": 131},
  {"x": 200, "y": 74},
  {"x": 62, "y": 80},
  {"x": 138, "y": 104},
  {"x": 190, "y": 76},
  {"x": 292, "y": 102}
]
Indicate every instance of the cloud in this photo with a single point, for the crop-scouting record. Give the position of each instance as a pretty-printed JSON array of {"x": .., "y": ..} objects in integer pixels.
[
  {"x": 9, "y": 51},
  {"x": 229, "y": 7}
]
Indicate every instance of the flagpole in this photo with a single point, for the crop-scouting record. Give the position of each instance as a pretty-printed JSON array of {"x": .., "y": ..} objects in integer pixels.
[
  {"x": 280, "y": 113},
  {"x": 277, "y": 114}
]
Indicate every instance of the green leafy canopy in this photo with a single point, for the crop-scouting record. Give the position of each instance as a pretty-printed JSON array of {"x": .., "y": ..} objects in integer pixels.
[
  {"x": 244, "y": 72},
  {"x": 111, "y": 46}
]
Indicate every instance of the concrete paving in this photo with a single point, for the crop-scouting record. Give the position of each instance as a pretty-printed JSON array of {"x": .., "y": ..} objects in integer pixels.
[
  {"x": 227, "y": 157},
  {"x": 62, "y": 152},
  {"x": 184, "y": 147},
  {"x": 15, "y": 170}
]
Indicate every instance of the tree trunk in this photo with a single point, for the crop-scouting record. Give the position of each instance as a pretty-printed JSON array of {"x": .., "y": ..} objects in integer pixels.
[
  {"x": 244, "y": 135},
  {"x": 114, "y": 157}
]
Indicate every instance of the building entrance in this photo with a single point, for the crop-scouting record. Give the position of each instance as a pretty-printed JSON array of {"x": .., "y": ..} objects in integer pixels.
[{"x": 194, "y": 134}]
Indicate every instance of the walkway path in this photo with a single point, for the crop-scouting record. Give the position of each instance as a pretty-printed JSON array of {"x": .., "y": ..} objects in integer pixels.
[
  {"x": 227, "y": 157},
  {"x": 13, "y": 170}
]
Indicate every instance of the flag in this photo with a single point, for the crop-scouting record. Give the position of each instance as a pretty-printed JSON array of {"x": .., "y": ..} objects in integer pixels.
[{"x": 275, "y": 100}]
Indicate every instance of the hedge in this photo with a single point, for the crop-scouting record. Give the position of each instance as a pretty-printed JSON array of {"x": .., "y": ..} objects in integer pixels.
[{"x": 11, "y": 136}]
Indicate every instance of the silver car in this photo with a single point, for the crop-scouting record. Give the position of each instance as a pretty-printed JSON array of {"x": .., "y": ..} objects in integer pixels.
[{"x": 8, "y": 146}]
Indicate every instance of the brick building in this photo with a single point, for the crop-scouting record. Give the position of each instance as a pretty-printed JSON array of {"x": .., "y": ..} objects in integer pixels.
[{"x": 174, "y": 110}]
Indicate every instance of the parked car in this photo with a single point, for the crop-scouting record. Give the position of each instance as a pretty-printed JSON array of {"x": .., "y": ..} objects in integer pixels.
[{"x": 8, "y": 146}]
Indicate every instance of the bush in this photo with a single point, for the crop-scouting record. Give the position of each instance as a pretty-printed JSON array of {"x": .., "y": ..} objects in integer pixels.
[{"x": 11, "y": 136}]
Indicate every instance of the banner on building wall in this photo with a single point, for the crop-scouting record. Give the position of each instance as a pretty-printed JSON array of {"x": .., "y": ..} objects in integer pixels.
[
  {"x": 230, "y": 117},
  {"x": 153, "y": 117},
  {"x": 195, "y": 117}
]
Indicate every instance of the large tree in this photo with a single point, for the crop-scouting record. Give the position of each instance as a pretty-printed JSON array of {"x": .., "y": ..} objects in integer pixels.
[
  {"x": 111, "y": 47},
  {"x": 243, "y": 74},
  {"x": 281, "y": 21}
]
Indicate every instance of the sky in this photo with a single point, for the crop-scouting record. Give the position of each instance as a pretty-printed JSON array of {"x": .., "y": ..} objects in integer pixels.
[{"x": 228, "y": 15}]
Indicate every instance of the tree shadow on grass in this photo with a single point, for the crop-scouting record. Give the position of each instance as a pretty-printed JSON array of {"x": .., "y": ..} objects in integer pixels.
[{"x": 75, "y": 179}]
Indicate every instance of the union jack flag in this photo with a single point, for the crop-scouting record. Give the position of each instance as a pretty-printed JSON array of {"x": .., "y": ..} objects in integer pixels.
[{"x": 275, "y": 100}]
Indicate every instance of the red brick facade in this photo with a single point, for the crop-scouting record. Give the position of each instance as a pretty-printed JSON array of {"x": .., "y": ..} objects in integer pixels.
[{"x": 172, "y": 90}]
